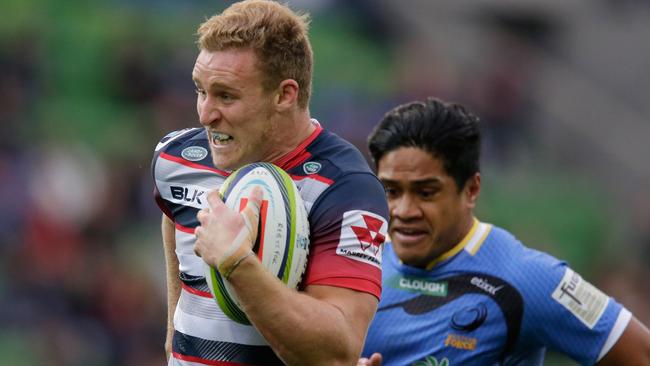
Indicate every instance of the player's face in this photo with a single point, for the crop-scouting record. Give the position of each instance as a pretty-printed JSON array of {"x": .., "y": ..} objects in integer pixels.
[
  {"x": 428, "y": 215},
  {"x": 236, "y": 112}
]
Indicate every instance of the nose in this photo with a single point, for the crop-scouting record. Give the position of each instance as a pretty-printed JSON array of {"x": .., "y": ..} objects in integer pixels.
[
  {"x": 208, "y": 113},
  {"x": 405, "y": 207}
]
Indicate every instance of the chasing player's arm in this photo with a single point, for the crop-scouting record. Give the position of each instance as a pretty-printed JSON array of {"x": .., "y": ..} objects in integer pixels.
[
  {"x": 173, "y": 283},
  {"x": 632, "y": 348}
]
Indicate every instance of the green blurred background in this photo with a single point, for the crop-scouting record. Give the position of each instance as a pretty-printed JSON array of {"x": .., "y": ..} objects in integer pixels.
[{"x": 87, "y": 88}]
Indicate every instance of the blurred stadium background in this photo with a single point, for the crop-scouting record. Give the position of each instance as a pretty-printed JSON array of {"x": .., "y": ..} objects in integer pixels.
[{"x": 87, "y": 88}]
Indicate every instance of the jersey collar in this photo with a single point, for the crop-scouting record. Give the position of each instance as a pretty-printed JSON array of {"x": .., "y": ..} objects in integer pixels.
[
  {"x": 299, "y": 154},
  {"x": 471, "y": 242}
]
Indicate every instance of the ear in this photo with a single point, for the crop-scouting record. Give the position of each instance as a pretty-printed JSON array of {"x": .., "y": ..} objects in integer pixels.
[
  {"x": 472, "y": 189},
  {"x": 286, "y": 96}
]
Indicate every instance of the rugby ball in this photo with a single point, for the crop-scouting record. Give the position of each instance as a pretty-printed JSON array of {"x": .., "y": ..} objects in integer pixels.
[{"x": 282, "y": 242}]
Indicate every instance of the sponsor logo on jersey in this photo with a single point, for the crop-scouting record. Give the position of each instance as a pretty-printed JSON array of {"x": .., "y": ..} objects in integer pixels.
[
  {"x": 581, "y": 298},
  {"x": 432, "y": 361},
  {"x": 460, "y": 342},
  {"x": 362, "y": 236},
  {"x": 186, "y": 194},
  {"x": 418, "y": 285},
  {"x": 194, "y": 153},
  {"x": 311, "y": 167},
  {"x": 484, "y": 285}
]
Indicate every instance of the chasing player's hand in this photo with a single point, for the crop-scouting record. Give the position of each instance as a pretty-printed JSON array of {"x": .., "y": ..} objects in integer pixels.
[
  {"x": 226, "y": 237},
  {"x": 374, "y": 360}
]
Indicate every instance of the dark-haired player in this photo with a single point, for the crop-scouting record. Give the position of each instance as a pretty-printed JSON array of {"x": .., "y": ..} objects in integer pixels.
[{"x": 458, "y": 291}]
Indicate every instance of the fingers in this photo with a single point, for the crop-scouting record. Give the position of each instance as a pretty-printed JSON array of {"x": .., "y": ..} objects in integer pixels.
[
  {"x": 375, "y": 359},
  {"x": 198, "y": 232},
  {"x": 202, "y": 215},
  {"x": 214, "y": 199},
  {"x": 251, "y": 212}
]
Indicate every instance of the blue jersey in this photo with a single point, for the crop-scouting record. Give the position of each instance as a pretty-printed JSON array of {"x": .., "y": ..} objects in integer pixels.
[
  {"x": 490, "y": 301},
  {"x": 347, "y": 218}
]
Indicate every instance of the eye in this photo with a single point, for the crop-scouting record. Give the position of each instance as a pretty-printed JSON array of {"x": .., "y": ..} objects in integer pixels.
[
  {"x": 226, "y": 97},
  {"x": 200, "y": 92},
  {"x": 427, "y": 193},
  {"x": 391, "y": 192}
]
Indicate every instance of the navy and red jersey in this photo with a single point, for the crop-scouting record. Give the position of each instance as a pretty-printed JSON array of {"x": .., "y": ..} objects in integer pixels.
[{"x": 347, "y": 214}]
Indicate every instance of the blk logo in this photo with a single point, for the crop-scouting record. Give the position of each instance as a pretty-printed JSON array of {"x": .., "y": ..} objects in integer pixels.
[
  {"x": 187, "y": 195},
  {"x": 370, "y": 235}
]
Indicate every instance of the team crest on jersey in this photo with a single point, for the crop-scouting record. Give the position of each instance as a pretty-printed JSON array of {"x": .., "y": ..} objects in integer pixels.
[
  {"x": 311, "y": 167},
  {"x": 194, "y": 153},
  {"x": 362, "y": 237}
]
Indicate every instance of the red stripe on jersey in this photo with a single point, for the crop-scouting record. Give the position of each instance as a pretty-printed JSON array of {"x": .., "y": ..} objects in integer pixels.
[
  {"x": 298, "y": 155},
  {"x": 317, "y": 177},
  {"x": 182, "y": 161},
  {"x": 202, "y": 361},
  {"x": 195, "y": 291},
  {"x": 184, "y": 229}
]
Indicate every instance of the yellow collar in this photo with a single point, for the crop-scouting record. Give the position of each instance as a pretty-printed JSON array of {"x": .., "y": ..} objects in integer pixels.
[{"x": 472, "y": 240}]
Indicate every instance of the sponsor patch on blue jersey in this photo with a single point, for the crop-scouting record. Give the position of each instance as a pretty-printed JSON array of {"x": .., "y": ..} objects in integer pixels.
[{"x": 581, "y": 298}]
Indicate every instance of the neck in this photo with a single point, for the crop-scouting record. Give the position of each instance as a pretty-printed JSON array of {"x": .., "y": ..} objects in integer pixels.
[
  {"x": 291, "y": 133},
  {"x": 452, "y": 246}
]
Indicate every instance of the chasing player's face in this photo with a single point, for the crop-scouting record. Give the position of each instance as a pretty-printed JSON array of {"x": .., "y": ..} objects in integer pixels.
[
  {"x": 234, "y": 108},
  {"x": 428, "y": 214}
]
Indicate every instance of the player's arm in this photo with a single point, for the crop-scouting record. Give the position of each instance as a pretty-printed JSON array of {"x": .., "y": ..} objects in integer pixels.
[
  {"x": 632, "y": 348},
  {"x": 173, "y": 283},
  {"x": 324, "y": 325}
]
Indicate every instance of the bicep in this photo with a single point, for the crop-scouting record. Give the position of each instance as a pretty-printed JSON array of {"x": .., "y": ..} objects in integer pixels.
[
  {"x": 632, "y": 348},
  {"x": 356, "y": 307}
]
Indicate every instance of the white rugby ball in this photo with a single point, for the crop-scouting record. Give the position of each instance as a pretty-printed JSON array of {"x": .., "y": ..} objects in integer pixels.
[{"x": 282, "y": 242}]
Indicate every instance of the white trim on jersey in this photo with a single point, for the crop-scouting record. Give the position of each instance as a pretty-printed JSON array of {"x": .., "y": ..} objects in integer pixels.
[
  {"x": 201, "y": 317},
  {"x": 622, "y": 321},
  {"x": 188, "y": 261},
  {"x": 180, "y": 133},
  {"x": 478, "y": 237}
]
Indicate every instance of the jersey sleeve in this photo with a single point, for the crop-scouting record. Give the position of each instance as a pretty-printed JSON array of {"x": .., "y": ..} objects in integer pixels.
[
  {"x": 566, "y": 313},
  {"x": 348, "y": 228}
]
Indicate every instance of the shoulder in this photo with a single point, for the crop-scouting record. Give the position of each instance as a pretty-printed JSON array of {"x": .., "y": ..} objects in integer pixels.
[
  {"x": 527, "y": 269},
  {"x": 338, "y": 155},
  {"x": 334, "y": 173},
  {"x": 171, "y": 141}
]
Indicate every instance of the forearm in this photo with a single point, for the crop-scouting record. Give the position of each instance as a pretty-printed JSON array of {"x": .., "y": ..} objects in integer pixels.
[
  {"x": 300, "y": 328},
  {"x": 173, "y": 294},
  {"x": 173, "y": 282}
]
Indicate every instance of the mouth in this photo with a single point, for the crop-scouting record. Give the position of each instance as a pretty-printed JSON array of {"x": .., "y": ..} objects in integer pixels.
[
  {"x": 407, "y": 235},
  {"x": 219, "y": 138}
]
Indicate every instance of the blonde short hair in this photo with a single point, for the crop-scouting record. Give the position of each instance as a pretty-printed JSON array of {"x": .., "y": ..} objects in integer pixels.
[{"x": 278, "y": 35}]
